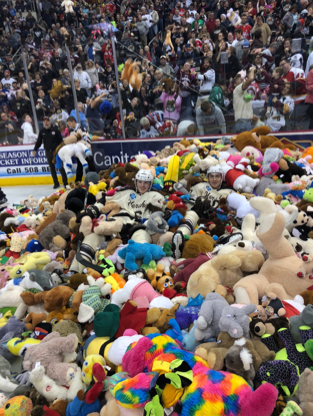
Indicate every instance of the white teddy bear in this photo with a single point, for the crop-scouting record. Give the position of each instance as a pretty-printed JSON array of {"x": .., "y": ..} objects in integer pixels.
[
  {"x": 68, "y": 4},
  {"x": 51, "y": 390}
]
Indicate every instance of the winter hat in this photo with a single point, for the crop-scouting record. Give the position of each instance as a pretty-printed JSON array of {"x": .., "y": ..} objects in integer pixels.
[
  {"x": 246, "y": 44},
  {"x": 91, "y": 304},
  {"x": 105, "y": 107},
  {"x": 106, "y": 323}
]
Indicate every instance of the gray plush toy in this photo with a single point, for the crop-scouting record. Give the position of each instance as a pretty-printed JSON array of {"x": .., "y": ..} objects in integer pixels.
[
  {"x": 239, "y": 360},
  {"x": 38, "y": 279},
  {"x": 271, "y": 158},
  {"x": 7, "y": 382},
  {"x": 266, "y": 182},
  {"x": 207, "y": 324},
  {"x": 235, "y": 320},
  {"x": 156, "y": 223},
  {"x": 13, "y": 328},
  {"x": 305, "y": 318}
]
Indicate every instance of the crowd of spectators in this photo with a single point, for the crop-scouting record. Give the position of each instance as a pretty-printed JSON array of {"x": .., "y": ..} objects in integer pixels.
[{"x": 246, "y": 61}]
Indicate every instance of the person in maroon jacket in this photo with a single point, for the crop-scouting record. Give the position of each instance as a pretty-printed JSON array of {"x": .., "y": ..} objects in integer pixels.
[
  {"x": 186, "y": 79},
  {"x": 277, "y": 84},
  {"x": 210, "y": 22}
]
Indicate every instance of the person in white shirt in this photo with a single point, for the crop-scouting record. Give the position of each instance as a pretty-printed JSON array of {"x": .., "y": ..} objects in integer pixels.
[
  {"x": 29, "y": 136},
  {"x": 243, "y": 102},
  {"x": 7, "y": 78},
  {"x": 147, "y": 130},
  {"x": 83, "y": 77},
  {"x": 230, "y": 40},
  {"x": 282, "y": 107},
  {"x": 207, "y": 77}
]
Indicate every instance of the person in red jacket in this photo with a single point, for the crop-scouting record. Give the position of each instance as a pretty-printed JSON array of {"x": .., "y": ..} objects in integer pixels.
[{"x": 246, "y": 28}]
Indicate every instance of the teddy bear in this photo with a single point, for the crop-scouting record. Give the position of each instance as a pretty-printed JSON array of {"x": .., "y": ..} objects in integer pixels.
[
  {"x": 221, "y": 270},
  {"x": 259, "y": 138},
  {"x": 51, "y": 199},
  {"x": 51, "y": 353},
  {"x": 53, "y": 299},
  {"x": 124, "y": 176},
  {"x": 276, "y": 198},
  {"x": 101, "y": 226},
  {"x": 54, "y": 236},
  {"x": 68, "y": 4},
  {"x": 157, "y": 320},
  {"x": 278, "y": 274},
  {"x": 50, "y": 389},
  {"x": 33, "y": 319}
]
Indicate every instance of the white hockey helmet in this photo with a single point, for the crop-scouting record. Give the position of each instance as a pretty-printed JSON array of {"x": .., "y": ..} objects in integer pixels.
[
  {"x": 144, "y": 175},
  {"x": 215, "y": 169}
]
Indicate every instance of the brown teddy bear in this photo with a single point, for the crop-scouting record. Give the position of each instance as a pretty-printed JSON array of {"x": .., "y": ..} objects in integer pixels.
[
  {"x": 215, "y": 352},
  {"x": 51, "y": 199},
  {"x": 159, "y": 319},
  {"x": 307, "y": 297},
  {"x": 259, "y": 138},
  {"x": 196, "y": 244},
  {"x": 53, "y": 299},
  {"x": 124, "y": 176}
]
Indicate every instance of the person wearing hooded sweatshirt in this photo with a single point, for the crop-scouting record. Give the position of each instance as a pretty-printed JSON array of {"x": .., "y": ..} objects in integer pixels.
[
  {"x": 83, "y": 77},
  {"x": 93, "y": 73},
  {"x": 29, "y": 136},
  {"x": 210, "y": 119}
]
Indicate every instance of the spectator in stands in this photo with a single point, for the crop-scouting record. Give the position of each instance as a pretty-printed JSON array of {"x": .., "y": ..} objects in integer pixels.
[
  {"x": 266, "y": 31},
  {"x": 242, "y": 102},
  {"x": 210, "y": 119},
  {"x": 309, "y": 97},
  {"x": 9, "y": 131}
]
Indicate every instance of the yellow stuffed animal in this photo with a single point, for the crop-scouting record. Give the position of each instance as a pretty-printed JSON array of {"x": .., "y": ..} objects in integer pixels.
[
  {"x": 89, "y": 361},
  {"x": 94, "y": 189},
  {"x": 33, "y": 261}
]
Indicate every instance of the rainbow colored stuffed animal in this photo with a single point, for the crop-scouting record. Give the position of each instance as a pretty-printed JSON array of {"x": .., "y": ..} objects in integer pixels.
[{"x": 162, "y": 375}]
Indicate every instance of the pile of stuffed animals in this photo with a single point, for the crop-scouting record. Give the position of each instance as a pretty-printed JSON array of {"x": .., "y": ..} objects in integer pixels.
[{"x": 95, "y": 323}]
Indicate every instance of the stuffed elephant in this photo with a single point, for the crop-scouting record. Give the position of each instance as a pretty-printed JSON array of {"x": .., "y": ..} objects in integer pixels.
[
  {"x": 209, "y": 316},
  {"x": 235, "y": 320}
]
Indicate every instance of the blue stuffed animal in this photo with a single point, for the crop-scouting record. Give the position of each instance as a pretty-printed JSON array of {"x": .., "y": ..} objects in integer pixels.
[
  {"x": 138, "y": 251},
  {"x": 187, "y": 339},
  {"x": 175, "y": 331}
]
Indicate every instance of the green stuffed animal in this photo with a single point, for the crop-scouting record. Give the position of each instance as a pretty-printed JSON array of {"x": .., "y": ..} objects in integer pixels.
[{"x": 308, "y": 195}]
